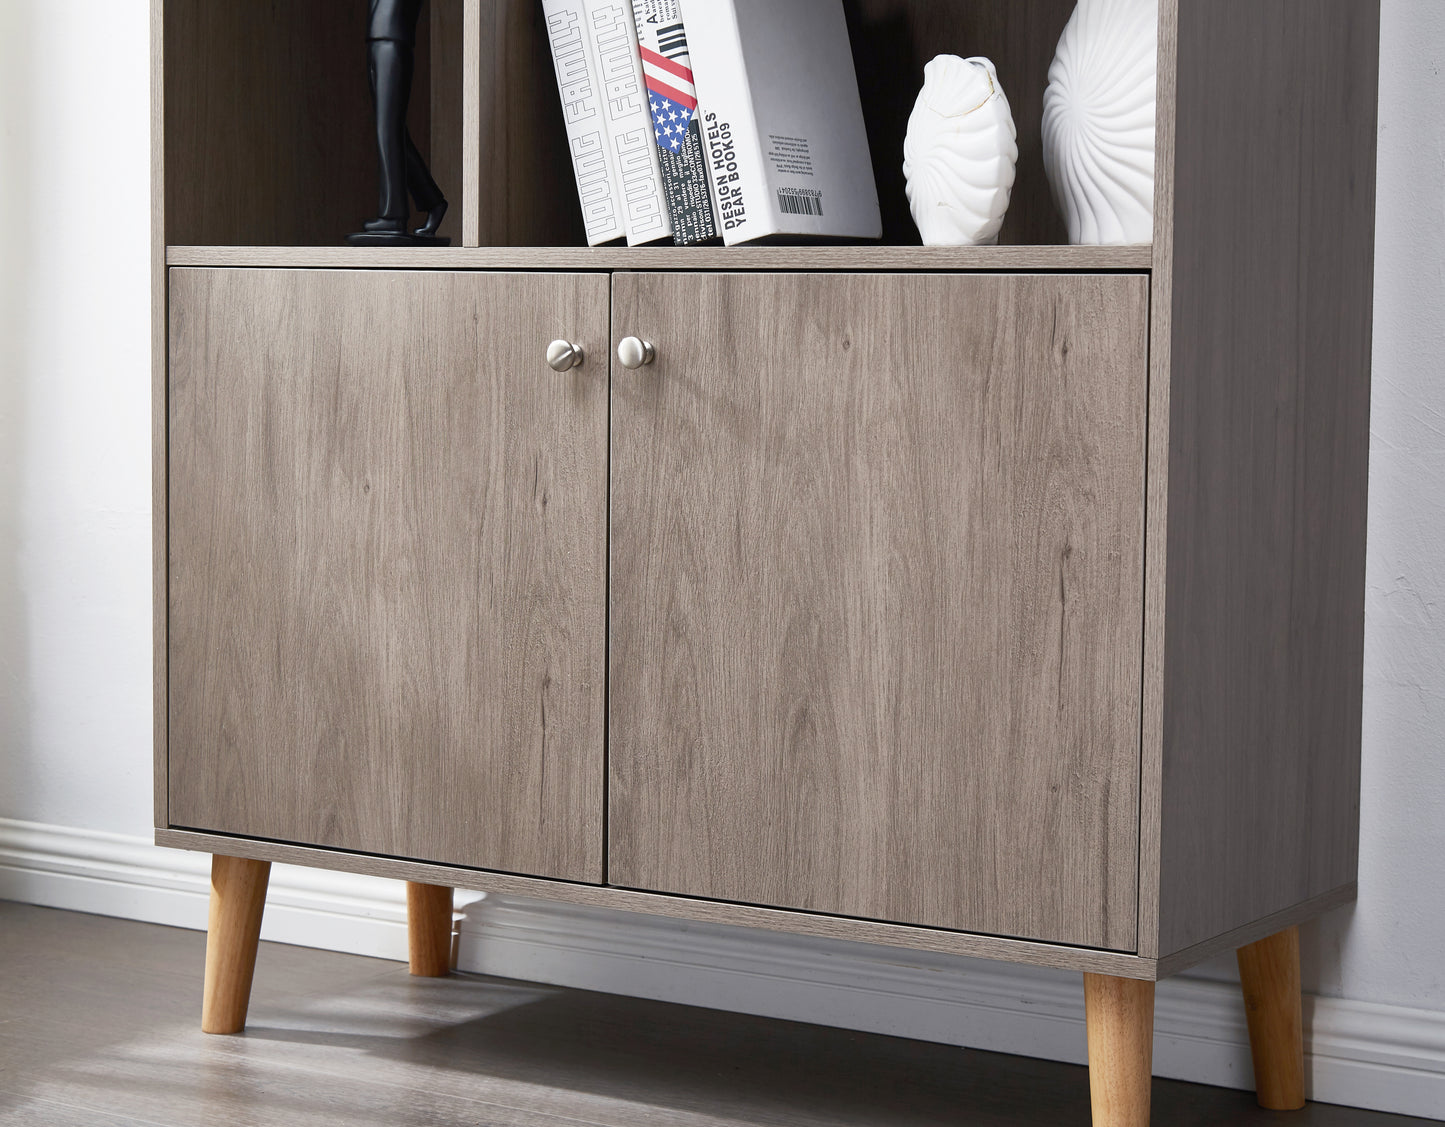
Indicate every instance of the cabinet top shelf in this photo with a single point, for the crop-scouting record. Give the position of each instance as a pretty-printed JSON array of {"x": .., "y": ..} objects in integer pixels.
[{"x": 822, "y": 258}]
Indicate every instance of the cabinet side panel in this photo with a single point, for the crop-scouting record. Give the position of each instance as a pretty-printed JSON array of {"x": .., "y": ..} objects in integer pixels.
[
  {"x": 1269, "y": 441},
  {"x": 1156, "y": 523},
  {"x": 471, "y": 141},
  {"x": 158, "y": 407}
]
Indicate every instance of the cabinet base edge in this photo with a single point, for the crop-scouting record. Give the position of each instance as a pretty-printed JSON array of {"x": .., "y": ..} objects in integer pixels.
[
  {"x": 1117, "y": 963},
  {"x": 1238, "y": 937}
]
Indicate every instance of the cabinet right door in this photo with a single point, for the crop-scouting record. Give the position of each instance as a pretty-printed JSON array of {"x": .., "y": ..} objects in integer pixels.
[{"x": 876, "y": 597}]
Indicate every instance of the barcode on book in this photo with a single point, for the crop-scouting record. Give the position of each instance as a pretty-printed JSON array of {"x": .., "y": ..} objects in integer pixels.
[
  {"x": 671, "y": 40},
  {"x": 800, "y": 201}
]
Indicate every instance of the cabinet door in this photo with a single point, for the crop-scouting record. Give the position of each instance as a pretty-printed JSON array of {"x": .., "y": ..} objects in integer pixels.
[
  {"x": 387, "y": 564},
  {"x": 876, "y": 597}
]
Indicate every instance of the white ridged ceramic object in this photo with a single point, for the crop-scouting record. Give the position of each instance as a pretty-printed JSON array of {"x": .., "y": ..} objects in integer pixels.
[
  {"x": 960, "y": 153},
  {"x": 1099, "y": 121}
]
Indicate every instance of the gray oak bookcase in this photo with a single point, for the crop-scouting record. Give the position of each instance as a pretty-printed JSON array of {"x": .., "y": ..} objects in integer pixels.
[{"x": 1004, "y": 601}]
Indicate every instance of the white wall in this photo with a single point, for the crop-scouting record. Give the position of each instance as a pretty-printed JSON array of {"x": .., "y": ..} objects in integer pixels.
[
  {"x": 75, "y": 498},
  {"x": 75, "y": 729},
  {"x": 1393, "y": 950}
]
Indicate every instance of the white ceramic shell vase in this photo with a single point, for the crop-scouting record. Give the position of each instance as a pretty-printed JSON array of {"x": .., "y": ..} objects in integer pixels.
[
  {"x": 960, "y": 153},
  {"x": 1099, "y": 121}
]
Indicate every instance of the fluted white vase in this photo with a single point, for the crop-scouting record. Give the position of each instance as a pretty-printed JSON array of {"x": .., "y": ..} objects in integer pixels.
[
  {"x": 1099, "y": 121},
  {"x": 960, "y": 153}
]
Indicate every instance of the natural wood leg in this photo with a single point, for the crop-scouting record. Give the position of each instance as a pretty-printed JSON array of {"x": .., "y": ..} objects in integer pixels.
[
  {"x": 1120, "y": 1015},
  {"x": 1269, "y": 974},
  {"x": 429, "y": 929},
  {"x": 238, "y": 898}
]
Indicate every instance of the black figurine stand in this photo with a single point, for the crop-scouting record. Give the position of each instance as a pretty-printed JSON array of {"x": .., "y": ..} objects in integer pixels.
[{"x": 404, "y": 176}]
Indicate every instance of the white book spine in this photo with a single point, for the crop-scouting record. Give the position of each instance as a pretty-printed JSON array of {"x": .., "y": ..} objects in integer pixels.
[
  {"x": 598, "y": 187},
  {"x": 672, "y": 99},
  {"x": 736, "y": 173},
  {"x": 628, "y": 119}
]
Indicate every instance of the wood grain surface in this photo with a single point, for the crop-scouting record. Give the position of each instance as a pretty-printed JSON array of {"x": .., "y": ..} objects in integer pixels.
[
  {"x": 387, "y": 564},
  {"x": 1262, "y": 928},
  {"x": 944, "y": 941},
  {"x": 1270, "y": 334},
  {"x": 527, "y": 192},
  {"x": 1257, "y": 396},
  {"x": 1269, "y": 976},
  {"x": 159, "y": 470},
  {"x": 875, "y": 601},
  {"x": 233, "y": 930},
  {"x": 1120, "y": 1017},
  {"x": 1156, "y": 521},
  {"x": 444, "y": 92},
  {"x": 849, "y": 258},
  {"x": 892, "y": 42},
  {"x": 430, "y": 923},
  {"x": 269, "y": 133},
  {"x": 471, "y": 122}
]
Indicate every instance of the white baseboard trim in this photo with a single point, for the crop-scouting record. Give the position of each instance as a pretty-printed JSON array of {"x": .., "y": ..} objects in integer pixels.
[
  {"x": 1388, "y": 1058},
  {"x": 110, "y": 874}
]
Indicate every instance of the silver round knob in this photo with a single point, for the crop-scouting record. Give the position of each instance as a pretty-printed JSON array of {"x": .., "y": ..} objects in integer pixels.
[
  {"x": 563, "y": 356},
  {"x": 634, "y": 353}
]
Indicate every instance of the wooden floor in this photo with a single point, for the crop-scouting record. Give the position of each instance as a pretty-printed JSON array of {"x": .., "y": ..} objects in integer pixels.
[{"x": 98, "y": 1026}]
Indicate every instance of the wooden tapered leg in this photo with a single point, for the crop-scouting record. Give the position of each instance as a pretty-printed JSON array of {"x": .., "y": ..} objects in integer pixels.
[
  {"x": 1269, "y": 975},
  {"x": 238, "y": 898},
  {"x": 429, "y": 929},
  {"x": 1120, "y": 1016}
]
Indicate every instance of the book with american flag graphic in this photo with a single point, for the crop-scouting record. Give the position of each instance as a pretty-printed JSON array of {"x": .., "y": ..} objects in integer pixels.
[{"x": 667, "y": 69}]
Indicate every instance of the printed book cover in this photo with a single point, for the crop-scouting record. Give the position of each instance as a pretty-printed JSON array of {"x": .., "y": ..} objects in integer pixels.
[
  {"x": 628, "y": 118},
  {"x": 667, "y": 68},
  {"x": 782, "y": 121},
  {"x": 577, "y": 82}
]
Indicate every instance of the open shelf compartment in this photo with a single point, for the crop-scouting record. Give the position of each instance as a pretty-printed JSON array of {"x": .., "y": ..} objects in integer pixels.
[{"x": 269, "y": 140}]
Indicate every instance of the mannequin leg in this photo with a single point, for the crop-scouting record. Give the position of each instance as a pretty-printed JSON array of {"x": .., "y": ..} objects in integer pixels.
[
  {"x": 391, "y": 76},
  {"x": 425, "y": 192}
]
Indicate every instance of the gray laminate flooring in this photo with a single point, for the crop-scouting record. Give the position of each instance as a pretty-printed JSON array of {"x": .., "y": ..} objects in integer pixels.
[{"x": 98, "y": 1027}]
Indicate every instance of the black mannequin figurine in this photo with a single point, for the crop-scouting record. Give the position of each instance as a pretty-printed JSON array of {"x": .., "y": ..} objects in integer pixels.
[{"x": 391, "y": 42}]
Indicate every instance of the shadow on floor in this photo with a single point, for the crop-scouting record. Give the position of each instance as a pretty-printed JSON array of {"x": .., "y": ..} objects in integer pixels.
[
  {"x": 98, "y": 1027},
  {"x": 761, "y": 1070}
]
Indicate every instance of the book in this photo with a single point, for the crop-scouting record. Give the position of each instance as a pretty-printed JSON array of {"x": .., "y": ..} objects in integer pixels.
[
  {"x": 782, "y": 121},
  {"x": 628, "y": 118},
  {"x": 667, "y": 69},
  {"x": 598, "y": 188}
]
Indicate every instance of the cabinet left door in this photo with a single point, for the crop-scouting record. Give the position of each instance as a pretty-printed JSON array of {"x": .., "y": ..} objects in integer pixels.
[{"x": 387, "y": 563}]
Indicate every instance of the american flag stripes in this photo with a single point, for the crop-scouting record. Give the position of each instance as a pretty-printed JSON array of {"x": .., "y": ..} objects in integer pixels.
[{"x": 674, "y": 99}]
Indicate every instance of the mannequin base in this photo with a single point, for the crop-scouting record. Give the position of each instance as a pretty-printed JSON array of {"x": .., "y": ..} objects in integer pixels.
[{"x": 378, "y": 239}]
